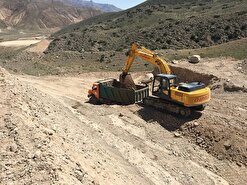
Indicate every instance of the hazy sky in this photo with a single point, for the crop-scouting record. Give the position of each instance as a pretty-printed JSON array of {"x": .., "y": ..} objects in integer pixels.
[{"x": 123, "y": 4}]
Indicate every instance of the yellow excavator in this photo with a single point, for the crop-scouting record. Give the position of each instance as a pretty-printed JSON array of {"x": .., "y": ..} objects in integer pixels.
[{"x": 166, "y": 95}]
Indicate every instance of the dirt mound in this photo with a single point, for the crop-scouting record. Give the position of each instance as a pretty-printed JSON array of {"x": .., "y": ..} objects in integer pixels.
[
  {"x": 231, "y": 87},
  {"x": 243, "y": 67},
  {"x": 221, "y": 129},
  {"x": 224, "y": 142},
  {"x": 35, "y": 143},
  {"x": 223, "y": 74},
  {"x": 215, "y": 83},
  {"x": 127, "y": 81},
  {"x": 186, "y": 75},
  {"x": 31, "y": 149}
]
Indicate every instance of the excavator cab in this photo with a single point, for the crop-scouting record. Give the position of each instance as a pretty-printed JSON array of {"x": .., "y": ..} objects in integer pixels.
[{"x": 162, "y": 84}]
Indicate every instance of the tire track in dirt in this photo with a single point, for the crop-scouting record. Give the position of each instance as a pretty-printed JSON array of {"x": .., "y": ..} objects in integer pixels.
[
  {"x": 178, "y": 166},
  {"x": 182, "y": 160},
  {"x": 53, "y": 144}
]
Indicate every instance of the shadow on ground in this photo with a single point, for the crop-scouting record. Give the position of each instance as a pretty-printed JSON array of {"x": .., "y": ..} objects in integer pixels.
[{"x": 170, "y": 122}]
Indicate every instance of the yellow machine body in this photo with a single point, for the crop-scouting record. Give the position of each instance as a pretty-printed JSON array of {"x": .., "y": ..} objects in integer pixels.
[{"x": 191, "y": 99}]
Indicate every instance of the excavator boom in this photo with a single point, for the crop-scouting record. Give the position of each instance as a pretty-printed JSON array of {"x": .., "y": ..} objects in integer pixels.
[{"x": 146, "y": 55}]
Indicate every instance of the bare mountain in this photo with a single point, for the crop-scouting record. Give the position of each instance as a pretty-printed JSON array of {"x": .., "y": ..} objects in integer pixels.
[
  {"x": 41, "y": 14},
  {"x": 91, "y": 4},
  {"x": 159, "y": 24}
]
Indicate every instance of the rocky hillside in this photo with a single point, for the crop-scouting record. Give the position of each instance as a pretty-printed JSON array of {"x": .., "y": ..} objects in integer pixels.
[
  {"x": 159, "y": 25},
  {"x": 41, "y": 14},
  {"x": 100, "y": 6}
]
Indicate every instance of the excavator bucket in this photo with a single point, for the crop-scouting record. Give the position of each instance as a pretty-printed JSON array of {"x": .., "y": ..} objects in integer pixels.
[{"x": 127, "y": 81}]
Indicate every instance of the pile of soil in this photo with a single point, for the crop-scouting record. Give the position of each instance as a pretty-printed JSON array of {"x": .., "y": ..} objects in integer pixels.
[
  {"x": 243, "y": 67},
  {"x": 221, "y": 128},
  {"x": 127, "y": 81},
  {"x": 219, "y": 140}
]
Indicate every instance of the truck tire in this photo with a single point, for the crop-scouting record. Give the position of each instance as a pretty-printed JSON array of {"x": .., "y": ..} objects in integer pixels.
[{"x": 93, "y": 100}]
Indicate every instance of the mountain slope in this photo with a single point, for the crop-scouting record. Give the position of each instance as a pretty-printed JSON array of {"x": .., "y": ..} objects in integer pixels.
[
  {"x": 100, "y": 6},
  {"x": 159, "y": 25},
  {"x": 41, "y": 14}
]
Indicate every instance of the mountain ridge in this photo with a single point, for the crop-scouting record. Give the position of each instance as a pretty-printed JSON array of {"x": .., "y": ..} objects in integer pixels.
[
  {"x": 91, "y": 4},
  {"x": 38, "y": 14},
  {"x": 158, "y": 25}
]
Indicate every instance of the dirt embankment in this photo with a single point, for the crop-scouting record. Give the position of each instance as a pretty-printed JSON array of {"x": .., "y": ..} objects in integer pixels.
[
  {"x": 222, "y": 74},
  {"x": 221, "y": 129},
  {"x": 243, "y": 67},
  {"x": 43, "y": 140},
  {"x": 49, "y": 134}
]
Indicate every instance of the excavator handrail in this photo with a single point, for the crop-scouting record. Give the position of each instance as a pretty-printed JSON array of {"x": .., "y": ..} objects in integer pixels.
[{"x": 146, "y": 55}]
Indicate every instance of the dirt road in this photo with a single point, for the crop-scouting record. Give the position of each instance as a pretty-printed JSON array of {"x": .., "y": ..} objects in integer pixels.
[
  {"x": 50, "y": 134},
  {"x": 19, "y": 43}
]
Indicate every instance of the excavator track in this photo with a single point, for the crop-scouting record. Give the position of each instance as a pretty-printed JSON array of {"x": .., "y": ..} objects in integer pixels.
[{"x": 167, "y": 106}]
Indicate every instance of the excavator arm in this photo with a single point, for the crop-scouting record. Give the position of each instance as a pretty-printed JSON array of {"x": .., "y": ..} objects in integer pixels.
[{"x": 146, "y": 55}]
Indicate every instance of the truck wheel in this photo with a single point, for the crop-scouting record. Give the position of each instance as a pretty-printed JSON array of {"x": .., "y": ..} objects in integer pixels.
[
  {"x": 93, "y": 100},
  {"x": 144, "y": 101}
]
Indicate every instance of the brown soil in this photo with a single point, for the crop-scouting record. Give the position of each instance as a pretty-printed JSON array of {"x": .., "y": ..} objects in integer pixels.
[
  {"x": 50, "y": 134},
  {"x": 39, "y": 47},
  {"x": 127, "y": 81},
  {"x": 18, "y": 43},
  {"x": 243, "y": 67},
  {"x": 221, "y": 130}
]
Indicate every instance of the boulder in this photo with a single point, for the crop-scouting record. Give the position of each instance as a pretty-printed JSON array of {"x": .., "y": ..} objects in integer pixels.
[{"x": 195, "y": 59}]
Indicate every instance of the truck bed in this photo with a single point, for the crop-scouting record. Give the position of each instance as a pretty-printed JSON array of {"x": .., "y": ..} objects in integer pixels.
[{"x": 111, "y": 90}]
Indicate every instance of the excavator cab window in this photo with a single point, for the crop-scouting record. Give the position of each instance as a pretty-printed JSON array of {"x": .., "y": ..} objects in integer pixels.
[
  {"x": 165, "y": 88},
  {"x": 173, "y": 82},
  {"x": 156, "y": 85},
  {"x": 165, "y": 85},
  {"x": 162, "y": 85}
]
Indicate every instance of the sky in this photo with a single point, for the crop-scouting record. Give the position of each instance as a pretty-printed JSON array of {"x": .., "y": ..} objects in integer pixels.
[{"x": 123, "y": 4}]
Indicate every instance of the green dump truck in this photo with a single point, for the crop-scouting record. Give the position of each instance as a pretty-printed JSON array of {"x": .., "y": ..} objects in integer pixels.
[{"x": 110, "y": 90}]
